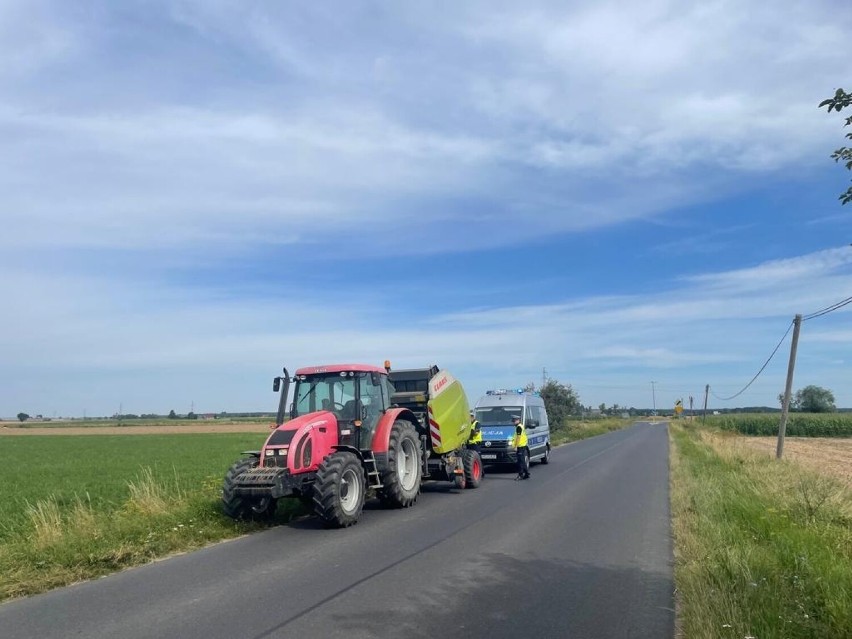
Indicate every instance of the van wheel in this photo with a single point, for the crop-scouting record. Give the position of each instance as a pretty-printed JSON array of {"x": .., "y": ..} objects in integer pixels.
[{"x": 546, "y": 458}]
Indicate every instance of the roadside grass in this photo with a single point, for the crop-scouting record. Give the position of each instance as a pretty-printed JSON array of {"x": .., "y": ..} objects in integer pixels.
[
  {"x": 74, "y": 508},
  {"x": 763, "y": 548},
  {"x": 576, "y": 429}
]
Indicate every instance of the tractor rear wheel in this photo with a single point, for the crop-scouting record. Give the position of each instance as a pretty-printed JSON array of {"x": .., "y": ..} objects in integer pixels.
[
  {"x": 340, "y": 490},
  {"x": 472, "y": 468},
  {"x": 239, "y": 507},
  {"x": 401, "y": 478}
]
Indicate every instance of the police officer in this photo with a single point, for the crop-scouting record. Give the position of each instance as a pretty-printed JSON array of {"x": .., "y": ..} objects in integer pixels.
[
  {"x": 522, "y": 449},
  {"x": 474, "y": 439}
]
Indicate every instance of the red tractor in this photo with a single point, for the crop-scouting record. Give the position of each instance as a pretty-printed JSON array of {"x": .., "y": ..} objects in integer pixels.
[{"x": 347, "y": 438}]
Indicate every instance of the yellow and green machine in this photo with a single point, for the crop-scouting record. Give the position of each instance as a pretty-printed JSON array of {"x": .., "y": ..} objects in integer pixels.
[{"x": 440, "y": 403}]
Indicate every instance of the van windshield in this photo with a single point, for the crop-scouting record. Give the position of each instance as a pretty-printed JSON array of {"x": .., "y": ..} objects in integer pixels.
[{"x": 498, "y": 415}]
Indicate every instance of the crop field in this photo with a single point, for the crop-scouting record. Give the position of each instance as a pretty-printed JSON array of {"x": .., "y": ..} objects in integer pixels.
[
  {"x": 798, "y": 424},
  {"x": 73, "y": 507},
  {"x": 100, "y": 468}
]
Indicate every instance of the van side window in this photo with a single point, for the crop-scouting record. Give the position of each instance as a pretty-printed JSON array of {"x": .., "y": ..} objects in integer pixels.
[{"x": 533, "y": 417}]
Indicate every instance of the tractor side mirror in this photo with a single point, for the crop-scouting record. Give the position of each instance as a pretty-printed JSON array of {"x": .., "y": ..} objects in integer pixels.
[{"x": 276, "y": 384}]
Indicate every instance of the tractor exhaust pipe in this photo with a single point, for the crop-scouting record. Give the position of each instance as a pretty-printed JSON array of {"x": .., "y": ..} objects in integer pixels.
[{"x": 282, "y": 403}]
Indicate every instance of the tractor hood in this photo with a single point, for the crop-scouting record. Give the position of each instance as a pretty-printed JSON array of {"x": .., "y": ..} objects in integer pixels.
[
  {"x": 301, "y": 443},
  {"x": 283, "y": 435}
]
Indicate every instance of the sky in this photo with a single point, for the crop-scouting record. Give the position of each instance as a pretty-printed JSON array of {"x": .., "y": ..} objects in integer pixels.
[{"x": 631, "y": 198}]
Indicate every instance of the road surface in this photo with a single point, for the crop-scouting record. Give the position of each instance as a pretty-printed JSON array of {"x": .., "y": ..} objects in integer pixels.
[{"x": 583, "y": 549}]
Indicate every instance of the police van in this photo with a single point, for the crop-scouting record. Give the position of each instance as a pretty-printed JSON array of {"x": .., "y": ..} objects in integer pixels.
[{"x": 494, "y": 412}]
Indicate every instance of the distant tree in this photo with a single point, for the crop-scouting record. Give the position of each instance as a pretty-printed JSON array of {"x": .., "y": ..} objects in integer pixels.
[
  {"x": 191, "y": 415},
  {"x": 840, "y": 101},
  {"x": 172, "y": 414},
  {"x": 602, "y": 408},
  {"x": 560, "y": 400},
  {"x": 794, "y": 402},
  {"x": 815, "y": 399},
  {"x": 22, "y": 417}
]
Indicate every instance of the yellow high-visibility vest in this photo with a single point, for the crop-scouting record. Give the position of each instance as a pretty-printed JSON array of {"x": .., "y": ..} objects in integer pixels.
[
  {"x": 521, "y": 440},
  {"x": 475, "y": 433}
]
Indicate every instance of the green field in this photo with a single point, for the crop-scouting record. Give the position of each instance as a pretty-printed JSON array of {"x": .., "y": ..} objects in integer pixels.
[
  {"x": 73, "y": 508},
  {"x": 798, "y": 424}
]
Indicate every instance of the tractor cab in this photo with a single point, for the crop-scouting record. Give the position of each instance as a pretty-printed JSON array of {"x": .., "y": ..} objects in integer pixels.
[{"x": 357, "y": 396}]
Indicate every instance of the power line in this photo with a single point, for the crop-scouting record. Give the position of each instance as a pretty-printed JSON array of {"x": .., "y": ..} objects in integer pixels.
[
  {"x": 828, "y": 309},
  {"x": 725, "y": 399}
]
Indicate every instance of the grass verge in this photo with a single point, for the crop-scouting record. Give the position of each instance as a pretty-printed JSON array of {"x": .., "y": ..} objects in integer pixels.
[
  {"x": 763, "y": 548},
  {"x": 575, "y": 430}
]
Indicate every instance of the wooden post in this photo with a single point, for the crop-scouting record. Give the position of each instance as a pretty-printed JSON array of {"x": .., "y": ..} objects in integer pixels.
[{"x": 785, "y": 409}]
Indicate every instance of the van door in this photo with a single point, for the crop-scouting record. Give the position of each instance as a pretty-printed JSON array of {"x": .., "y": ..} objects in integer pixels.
[{"x": 533, "y": 424}]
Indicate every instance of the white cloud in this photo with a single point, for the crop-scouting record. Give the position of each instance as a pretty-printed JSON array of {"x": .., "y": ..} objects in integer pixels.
[
  {"x": 700, "y": 333},
  {"x": 571, "y": 118}
]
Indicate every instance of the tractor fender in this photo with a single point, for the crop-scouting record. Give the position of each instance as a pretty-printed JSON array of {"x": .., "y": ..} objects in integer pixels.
[
  {"x": 349, "y": 449},
  {"x": 381, "y": 437}
]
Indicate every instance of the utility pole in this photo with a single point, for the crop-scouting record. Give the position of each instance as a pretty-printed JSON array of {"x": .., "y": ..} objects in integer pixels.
[
  {"x": 785, "y": 409},
  {"x": 654, "y": 398},
  {"x": 543, "y": 376},
  {"x": 706, "y": 393}
]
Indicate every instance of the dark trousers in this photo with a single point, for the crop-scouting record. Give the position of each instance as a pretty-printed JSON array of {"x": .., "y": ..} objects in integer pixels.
[{"x": 523, "y": 461}]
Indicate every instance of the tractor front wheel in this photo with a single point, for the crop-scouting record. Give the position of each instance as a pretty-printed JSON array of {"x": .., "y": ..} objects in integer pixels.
[
  {"x": 401, "y": 478},
  {"x": 340, "y": 490},
  {"x": 238, "y": 507}
]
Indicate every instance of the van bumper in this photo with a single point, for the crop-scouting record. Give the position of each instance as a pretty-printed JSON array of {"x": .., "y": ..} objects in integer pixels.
[{"x": 492, "y": 456}]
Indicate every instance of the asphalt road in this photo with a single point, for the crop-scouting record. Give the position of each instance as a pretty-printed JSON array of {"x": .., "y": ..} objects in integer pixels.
[{"x": 582, "y": 549}]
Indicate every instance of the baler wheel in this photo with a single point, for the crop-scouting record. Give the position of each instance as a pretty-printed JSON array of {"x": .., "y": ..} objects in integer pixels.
[
  {"x": 238, "y": 507},
  {"x": 472, "y": 468},
  {"x": 401, "y": 478},
  {"x": 339, "y": 490}
]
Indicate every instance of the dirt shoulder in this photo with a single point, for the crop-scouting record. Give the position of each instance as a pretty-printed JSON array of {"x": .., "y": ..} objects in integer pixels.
[
  {"x": 826, "y": 455},
  {"x": 169, "y": 429}
]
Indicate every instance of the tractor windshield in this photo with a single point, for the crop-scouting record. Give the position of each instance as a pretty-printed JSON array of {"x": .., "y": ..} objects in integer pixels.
[
  {"x": 334, "y": 392},
  {"x": 340, "y": 393}
]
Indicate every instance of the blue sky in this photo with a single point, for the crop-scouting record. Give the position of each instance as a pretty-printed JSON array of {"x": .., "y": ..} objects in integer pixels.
[{"x": 194, "y": 194}]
